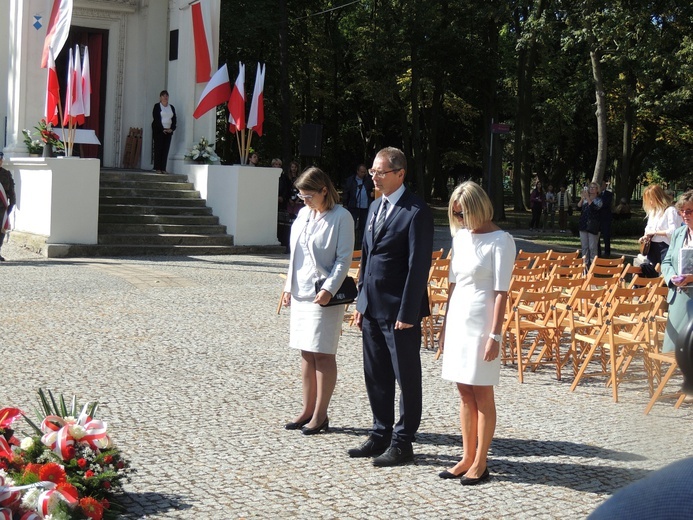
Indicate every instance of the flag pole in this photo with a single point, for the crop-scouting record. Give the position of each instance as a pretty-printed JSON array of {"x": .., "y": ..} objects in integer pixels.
[
  {"x": 238, "y": 143},
  {"x": 250, "y": 138}
]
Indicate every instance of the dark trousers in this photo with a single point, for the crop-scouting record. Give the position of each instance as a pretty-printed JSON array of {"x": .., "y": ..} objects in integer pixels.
[
  {"x": 605, "y": 234},
  {"x": 657, "y": 252},
  {"x": 536, "y": 217},
  {"x": 162, "y": 143},
  {"x": 392, "y": 356},
  {"x": 562, "y": 219},
  {"x": 359, "y": 215}
]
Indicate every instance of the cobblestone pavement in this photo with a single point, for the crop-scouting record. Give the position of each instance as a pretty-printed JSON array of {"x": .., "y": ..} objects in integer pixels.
[{"x": 190, "y": 363}]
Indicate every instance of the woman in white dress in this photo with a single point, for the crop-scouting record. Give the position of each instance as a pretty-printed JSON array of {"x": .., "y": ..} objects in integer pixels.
[
  {"x": 480, "y": 273},
  {"x": 662, "y": 221},
  {"x": 322, "y": 242}
]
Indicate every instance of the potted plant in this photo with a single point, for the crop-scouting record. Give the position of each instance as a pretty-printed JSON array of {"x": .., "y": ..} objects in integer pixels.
[
  {"x": 34, "y": 146},
  {"x": 53, "y": 144}
]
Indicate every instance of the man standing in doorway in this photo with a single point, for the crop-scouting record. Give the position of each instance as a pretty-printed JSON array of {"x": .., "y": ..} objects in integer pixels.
[
  {"x": 396, "y": 258},
  {"x": 358, "y": 195}
]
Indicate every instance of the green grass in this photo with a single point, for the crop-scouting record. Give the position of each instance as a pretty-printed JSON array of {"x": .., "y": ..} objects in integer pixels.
[{"x": 624, "y": 239}]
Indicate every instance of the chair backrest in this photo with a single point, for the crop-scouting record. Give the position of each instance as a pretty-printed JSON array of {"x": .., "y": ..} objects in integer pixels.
[
  {"x": 560, "y": 256},
  {"x": 435, "y": 255},
  {"x": 568, "y": 272},
  {"x": 522, "y": 264},
  {"x": 593, "y": 282},
  {"x": 531, "y": 273},
  {"x": 586, "y": 306},
  {"x": 628, "y": 295},
  {"x": 605, "y": 270},
  {"x": 525, "y": 255},
  {"x": 609, "y": 262},
  {"x": 439, "y": 273}
]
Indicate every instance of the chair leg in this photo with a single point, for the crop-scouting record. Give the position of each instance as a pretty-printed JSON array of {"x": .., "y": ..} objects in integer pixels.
[{"x": 660, "y": 389}]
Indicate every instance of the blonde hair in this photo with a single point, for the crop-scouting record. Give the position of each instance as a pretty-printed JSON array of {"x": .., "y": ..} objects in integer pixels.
[
  {"x": 475, "y": 205},
  {"x": 655, "y": 200},
  {"x": 314, "y": 179}
]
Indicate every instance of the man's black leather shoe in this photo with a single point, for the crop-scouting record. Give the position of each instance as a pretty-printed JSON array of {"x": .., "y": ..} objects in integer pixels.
[
  {"x": 370, "y": 448},
  {"x": 394, "y": 456}
]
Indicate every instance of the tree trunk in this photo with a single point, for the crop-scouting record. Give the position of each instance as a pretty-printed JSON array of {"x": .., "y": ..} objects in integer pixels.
[
  {"x": 416, "y": 123},
  {"x": 284, "y": 91},
  {"x": 600, "y": 164}
]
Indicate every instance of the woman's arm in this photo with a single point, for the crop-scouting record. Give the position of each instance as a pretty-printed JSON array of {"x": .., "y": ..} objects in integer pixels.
[{"x": 492, "y": 346}]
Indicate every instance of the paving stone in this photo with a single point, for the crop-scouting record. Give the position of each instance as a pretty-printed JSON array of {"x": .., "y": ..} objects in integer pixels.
[{"x": 190, "y": 363}]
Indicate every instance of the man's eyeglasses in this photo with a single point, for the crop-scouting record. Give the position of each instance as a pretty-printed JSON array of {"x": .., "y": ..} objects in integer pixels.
[
  {"x": 458, "y": 214},
  {"x": 376, "y": 173},
  {"x": 686, "y": 211}
]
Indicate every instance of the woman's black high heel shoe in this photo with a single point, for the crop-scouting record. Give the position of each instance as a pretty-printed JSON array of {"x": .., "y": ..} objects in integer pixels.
[
  {"x": 312, "y": 431},
  {"x": 296, "y": 425}
]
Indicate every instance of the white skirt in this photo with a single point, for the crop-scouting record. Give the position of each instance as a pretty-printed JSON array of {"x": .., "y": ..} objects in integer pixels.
[{"x": 314, "y": 328}]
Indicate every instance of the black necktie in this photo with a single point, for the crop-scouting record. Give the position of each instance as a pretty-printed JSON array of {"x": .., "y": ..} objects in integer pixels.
[{"x": 381, "y": 218}]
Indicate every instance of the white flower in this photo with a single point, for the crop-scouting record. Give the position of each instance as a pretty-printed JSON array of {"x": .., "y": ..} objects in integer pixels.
[
  {"x": 30, "y": 498},
  {"x": 77, "y": 431},
  {"x": 70, "y": 420},
  {"x": 26, "y": 443}
]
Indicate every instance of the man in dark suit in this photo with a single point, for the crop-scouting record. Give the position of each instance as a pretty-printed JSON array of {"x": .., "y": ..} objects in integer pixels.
[
  {"x": 392, "y": 300},
  {"x": 357, "y": 197}
]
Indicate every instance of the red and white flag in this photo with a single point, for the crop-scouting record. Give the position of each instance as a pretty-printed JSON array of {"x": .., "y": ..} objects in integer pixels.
[
  {"x": 202, "y": 37},
  {"x": 77, "y": 111},
  {"x": 237, "y": 102},
  {"x": 58, "y": 29},
  {"x": 52, "y": 91},
  {"x": 257, "y": 105},
  {"x": 69, "y": 89},
  {"x": 215, "y": 93},
  {"x": 86, "y": 84}
]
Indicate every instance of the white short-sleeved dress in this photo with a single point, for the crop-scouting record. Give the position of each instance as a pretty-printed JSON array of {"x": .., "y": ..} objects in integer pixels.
[{"x": 481, "y": 264}]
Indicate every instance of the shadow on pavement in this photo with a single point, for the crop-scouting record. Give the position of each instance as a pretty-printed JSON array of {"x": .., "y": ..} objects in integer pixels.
[{"x": 138, "y": 505}]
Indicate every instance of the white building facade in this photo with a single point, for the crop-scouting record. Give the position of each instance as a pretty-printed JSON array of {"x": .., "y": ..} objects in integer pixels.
[{"x": 137, "y": 48}]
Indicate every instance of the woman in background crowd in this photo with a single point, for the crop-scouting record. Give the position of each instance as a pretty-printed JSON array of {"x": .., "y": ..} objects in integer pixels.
[
  {"x": 662, "y": 221},
  {"x": 536, "y": 201},
  {"x": 589, "y": 204}
]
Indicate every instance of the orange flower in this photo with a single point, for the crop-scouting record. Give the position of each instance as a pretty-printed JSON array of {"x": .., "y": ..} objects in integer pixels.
[
  {"x": 53, "y": 473},
  {"x": 92, "y": 508},
  {"x": 33, "y": 468}
]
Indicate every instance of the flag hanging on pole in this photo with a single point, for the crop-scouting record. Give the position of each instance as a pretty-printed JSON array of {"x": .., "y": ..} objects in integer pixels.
[
  {"x": 237, "y": 102},
  {"x": 52, "y": 91},
  {"x": 257, "y": 105},
  {"x": 68, "y": 93},
  {"x": 77, "y": 96},
  {"x": 202, "y": 38},
  {"x": 86, "y": 84},
  {"x": 215, "y": 93},
  {"x": 58, "y": 29}
]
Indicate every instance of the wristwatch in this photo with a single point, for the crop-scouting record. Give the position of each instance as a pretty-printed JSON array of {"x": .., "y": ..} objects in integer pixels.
[{"x": 495, "y": 337}]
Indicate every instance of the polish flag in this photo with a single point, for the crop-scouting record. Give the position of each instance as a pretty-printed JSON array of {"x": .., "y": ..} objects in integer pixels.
[
  {"x": 202, "y": 37},
  {"x": 58, "y": 29},
  {"x": 70, "y": 87},
  {"x": 257, "y": 106},
  {"x": 86, "y": 84},
  {"x": 237, "y": 102},
  {"x": 52, "y": 91},
  {"x": 77, "y": 96},
  {"x": 215, "y": 93}
]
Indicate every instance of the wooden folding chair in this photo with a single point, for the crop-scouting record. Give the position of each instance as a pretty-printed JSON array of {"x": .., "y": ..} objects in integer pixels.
[
  {"x": 438, "y": 276},
  {"x": 560, "y": 271},
  {"x": 532, "y": 257},
  {"x": 657, "y": 359},
  {"x": 516, "y": 286},
  {"x": 529, "y": 273},
  {"x": 609, "y": 262},
  {"x": 625, "y": 333},
  {"x": 535, "y": 313},
  {"x": 604, "y": 271}
]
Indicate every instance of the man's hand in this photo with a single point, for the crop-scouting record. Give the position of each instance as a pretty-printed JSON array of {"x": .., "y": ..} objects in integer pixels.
[
  {"x": 358, "y": 319},
  {"x": 401, "y": 326}
]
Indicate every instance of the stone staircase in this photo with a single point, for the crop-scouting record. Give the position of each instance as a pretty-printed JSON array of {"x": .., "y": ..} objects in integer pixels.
[{"x": 145, "y": 213}]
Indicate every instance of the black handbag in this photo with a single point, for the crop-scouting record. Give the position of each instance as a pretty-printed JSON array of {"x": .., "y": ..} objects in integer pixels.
[
  {"x": 593, "y": 226},
  {"x": 345, "y": 295}
]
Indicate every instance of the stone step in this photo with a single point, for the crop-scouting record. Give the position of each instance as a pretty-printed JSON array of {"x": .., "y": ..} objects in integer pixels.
[
  {"x": 112, "y": 210},
  {"x": 147, "y": 185},
  {"x": 151, "y": 201},
  {"x": 166, "y": 239},
  {"x": 179, "y": 219},
  {"x": 177, "y": 229},
  {"x": 121, "y": 250},
  {"x": 144, "y": 176},
  {"x": 151, "y": 193}
]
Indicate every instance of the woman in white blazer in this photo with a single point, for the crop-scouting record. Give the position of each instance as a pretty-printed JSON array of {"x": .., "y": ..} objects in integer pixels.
[{"x": 322, "y": 241}]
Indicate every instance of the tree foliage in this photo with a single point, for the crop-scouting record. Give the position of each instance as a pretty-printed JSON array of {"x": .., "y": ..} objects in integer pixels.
[{"x": 429, "y": 77}]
